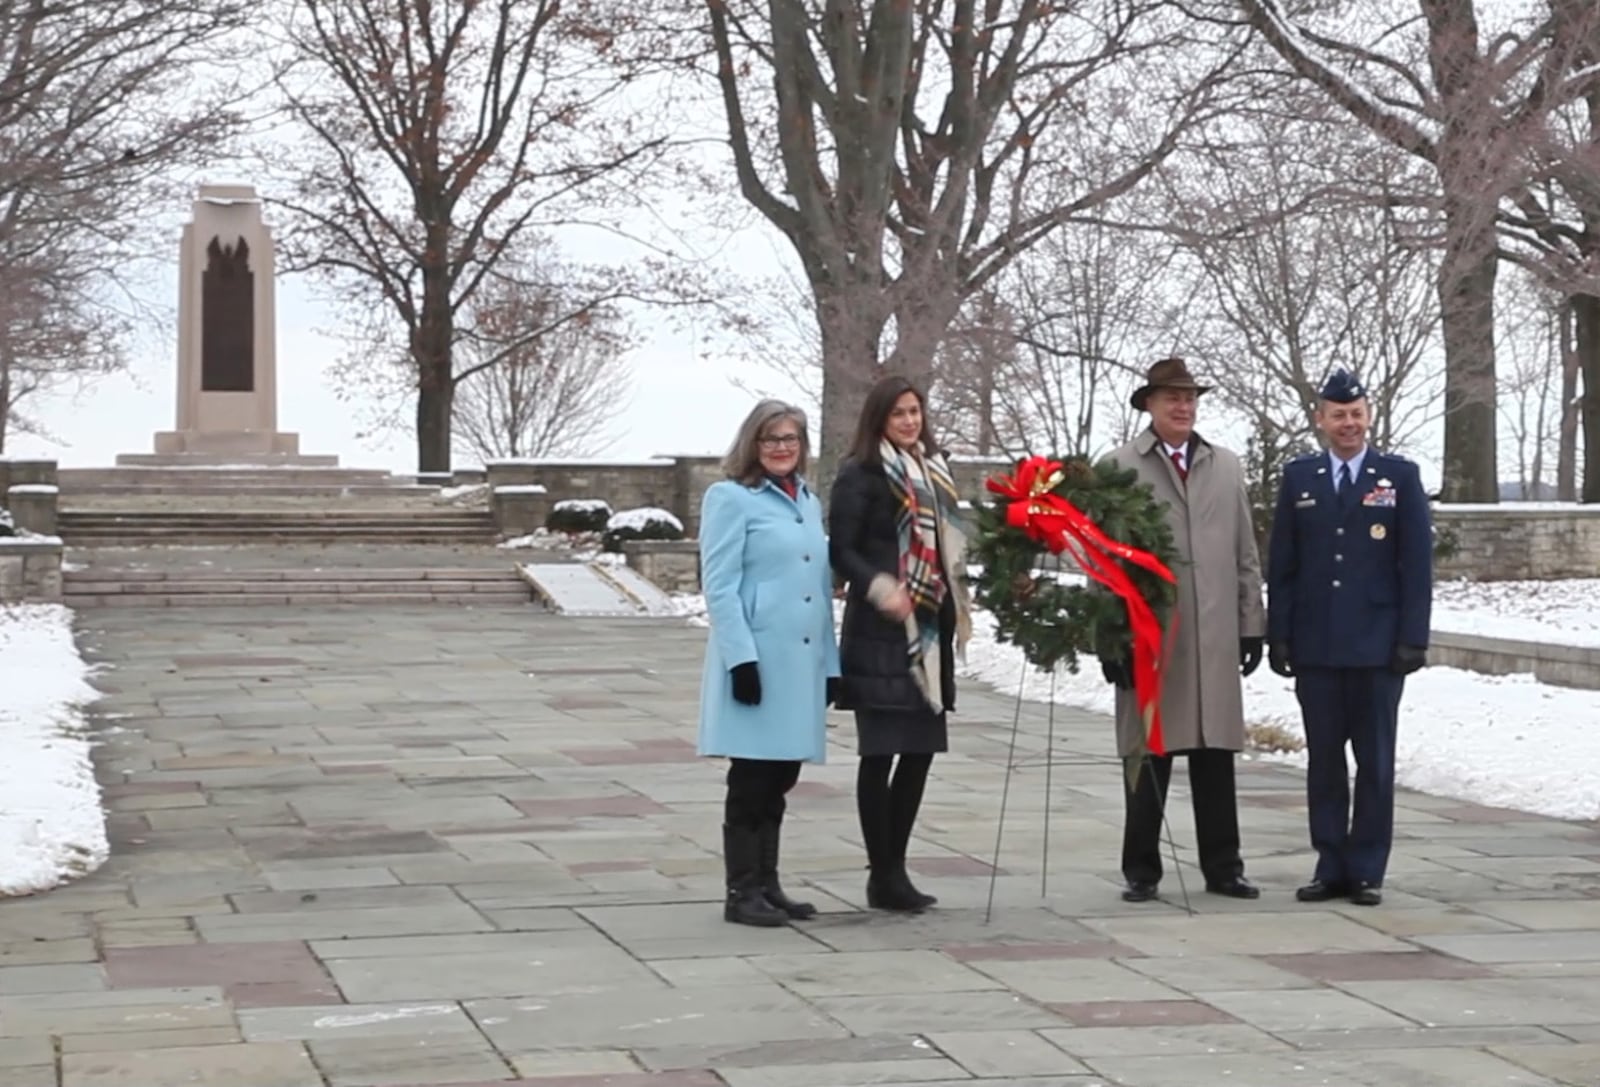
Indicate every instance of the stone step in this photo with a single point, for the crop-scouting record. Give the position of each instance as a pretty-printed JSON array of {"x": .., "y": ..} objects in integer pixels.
[
  {"x": 71, "y": 478},
  {"x": 345, "y": 574},
  {"x": 201, "y": 600},
  {"x": 322, "y": 492},
  {"x": 289, "y": 516}
]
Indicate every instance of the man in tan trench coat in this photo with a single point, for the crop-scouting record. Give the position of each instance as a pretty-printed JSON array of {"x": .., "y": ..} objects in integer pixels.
[{"x": 1218, "y": 636}]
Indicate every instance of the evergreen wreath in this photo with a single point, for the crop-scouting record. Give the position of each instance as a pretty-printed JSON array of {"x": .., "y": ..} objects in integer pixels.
[{"x": 1054, "y": 622}]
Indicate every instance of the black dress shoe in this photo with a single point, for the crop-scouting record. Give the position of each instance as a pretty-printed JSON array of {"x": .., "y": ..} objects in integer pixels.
[
  {"x": 1234, "y": 887},
  {"x": 1366, "y": 894},
  {"x": 1138, "y": 891},
  {"x": 1318, "y": 891}
]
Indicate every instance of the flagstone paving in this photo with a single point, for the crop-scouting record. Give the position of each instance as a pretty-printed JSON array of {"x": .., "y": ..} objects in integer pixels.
[{"x": 474, "y": 846}]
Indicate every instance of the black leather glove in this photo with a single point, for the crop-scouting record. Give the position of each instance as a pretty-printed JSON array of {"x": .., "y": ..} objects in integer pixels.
[
  {"x": 1407, "y": 659},
  {"x": 1278, "y": 660},
  {"x": 1250, "y": 654},
  {"x": 1118, "y": 672},
  {"x": 832, "y": 691},
  {"x": 746, "y": 684}
]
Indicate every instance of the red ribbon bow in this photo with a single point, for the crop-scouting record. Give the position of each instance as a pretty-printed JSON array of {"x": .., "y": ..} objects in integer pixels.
[{"x": 1061, "y": 526}]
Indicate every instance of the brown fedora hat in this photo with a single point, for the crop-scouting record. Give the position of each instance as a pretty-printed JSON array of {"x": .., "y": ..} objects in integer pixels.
[{"x": 1166, "y": 374}]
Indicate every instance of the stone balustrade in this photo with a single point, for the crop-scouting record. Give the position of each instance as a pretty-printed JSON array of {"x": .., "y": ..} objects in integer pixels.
[{"x": 30, "y": 570}]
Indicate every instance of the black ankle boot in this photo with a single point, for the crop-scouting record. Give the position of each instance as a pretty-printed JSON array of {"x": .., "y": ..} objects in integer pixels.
[
  {"x": 890, "y": 889},
  {"x": 746, "y": 903},
  {"x": 771, "y": 832}
]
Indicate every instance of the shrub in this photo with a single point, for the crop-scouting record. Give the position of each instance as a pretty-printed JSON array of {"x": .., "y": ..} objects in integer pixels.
[
  {"x": 645, "y": 523},
  {"x": 8, "y": 527},
  {"x": 575, "y": 515}
]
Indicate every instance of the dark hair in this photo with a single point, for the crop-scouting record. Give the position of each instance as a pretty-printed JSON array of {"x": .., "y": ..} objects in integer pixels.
[{"x": 875, "y": 419}]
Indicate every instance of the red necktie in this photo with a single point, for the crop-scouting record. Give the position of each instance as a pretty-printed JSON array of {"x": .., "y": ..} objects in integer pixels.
[{"x": 1177, "y": 462}]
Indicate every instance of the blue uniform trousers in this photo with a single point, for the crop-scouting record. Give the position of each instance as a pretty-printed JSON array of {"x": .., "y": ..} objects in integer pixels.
[{"x": 1358, "y": 706}]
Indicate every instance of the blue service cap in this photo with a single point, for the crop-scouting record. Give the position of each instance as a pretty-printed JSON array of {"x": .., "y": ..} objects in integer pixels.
[{"x": 1343, "y": 387}]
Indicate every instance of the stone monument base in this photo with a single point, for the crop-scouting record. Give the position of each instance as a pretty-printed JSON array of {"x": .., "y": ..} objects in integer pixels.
[
  {"x": 215, "y": 448},
  {"x": 243, "y": 443}
]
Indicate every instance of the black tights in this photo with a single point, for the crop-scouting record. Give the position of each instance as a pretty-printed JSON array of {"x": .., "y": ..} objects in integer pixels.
[
  {"x": 757, "y": 790},
  {"x": 888, "y": 804}
]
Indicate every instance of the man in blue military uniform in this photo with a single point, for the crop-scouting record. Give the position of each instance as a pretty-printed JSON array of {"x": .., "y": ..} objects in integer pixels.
[{"x": 1349, "y": 592}]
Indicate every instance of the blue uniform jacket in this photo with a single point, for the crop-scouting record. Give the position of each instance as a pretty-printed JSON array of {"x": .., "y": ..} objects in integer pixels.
[
  {"x": 1350, "y": 577},
  {"x": 769, "y": 595}
]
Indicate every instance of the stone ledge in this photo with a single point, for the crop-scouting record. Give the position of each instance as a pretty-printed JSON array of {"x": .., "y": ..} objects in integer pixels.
[
  {"x": 1558, "y": 665},
  {"x": 30, "y": 570},
  {"x": 672, "y": 565}
]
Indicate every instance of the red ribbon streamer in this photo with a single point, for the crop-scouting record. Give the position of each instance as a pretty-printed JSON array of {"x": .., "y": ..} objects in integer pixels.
[{"x": 1061, "y": 526}]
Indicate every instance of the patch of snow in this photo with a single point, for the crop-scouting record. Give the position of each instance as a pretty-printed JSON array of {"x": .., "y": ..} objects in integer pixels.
[
  {"x": 387, "y": 1015},
  {"x": 1553, "y": 612},
  {"x": 544, "y": 539},
  {"x": 6, "y": 519},
  {"x": 466, "y": 490},
  {"x": 1512, "y": 509},
  {"x": 692, "y": 607},
  {"x": 583, "y": 505},
  {"x": 642, "y": 516},
  {"x": 51, "y": 827},
  {"x": 25, "y": 538},
  {"x": 1503, "y": 741},
  {"x": 34, "y": 488},
  {"x": 521, "y": 488}
]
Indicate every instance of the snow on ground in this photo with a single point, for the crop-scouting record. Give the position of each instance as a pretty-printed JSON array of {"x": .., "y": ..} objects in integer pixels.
[
  {"x": 1560, "y": 612},
  {"x": 1502, "y": 741},
  {"x": 51, "y": 827}
]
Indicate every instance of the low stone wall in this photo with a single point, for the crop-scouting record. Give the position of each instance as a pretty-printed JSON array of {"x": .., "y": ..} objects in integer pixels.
[
  {"x": 675, "y": 484},
  {"x": 1561, "y": 665},
  {"x": 1533, "y": 542},
  {"x": 672, "y": 565},
  {"x": 30, "y": 570}
]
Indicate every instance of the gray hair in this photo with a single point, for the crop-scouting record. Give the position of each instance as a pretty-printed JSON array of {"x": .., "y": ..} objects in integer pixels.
[{"x": 743, "y": 461}]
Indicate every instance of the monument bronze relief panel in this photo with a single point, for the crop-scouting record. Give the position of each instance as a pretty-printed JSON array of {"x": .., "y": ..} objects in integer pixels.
[{"x": 227, "y": 320}]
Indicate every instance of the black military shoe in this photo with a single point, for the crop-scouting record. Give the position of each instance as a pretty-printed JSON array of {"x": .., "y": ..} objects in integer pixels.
[
  {"x": 1366, "y": 894},
  {"x": 1234, "y": 887},
  {"x": 1138, "y": 891},
  {"x": 1318, "y": 891}
]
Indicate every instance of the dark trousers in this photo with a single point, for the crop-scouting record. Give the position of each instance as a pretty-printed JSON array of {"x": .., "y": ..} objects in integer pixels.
[
  {"x": 1216, "y": 817},
  {"x": 888, "y": 794},
  {"x": 758, "y": 791},
  {"x": 1359, "y": 707}
]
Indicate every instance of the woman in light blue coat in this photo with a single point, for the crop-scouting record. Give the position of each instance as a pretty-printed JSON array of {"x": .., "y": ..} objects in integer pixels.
[{"x": 772, "y": 661}]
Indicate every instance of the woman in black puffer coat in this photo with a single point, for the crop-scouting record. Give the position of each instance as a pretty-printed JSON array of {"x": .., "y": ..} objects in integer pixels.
[{"x": 896, "y": 538}]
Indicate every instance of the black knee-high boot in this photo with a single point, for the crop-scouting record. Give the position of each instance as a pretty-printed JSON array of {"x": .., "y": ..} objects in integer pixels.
[
  {"x": 905, "y": 800},
  {"x": 887, "y": 882},
  {"x": 771, "y": 834},
  {"x": 746, "y": 903}
]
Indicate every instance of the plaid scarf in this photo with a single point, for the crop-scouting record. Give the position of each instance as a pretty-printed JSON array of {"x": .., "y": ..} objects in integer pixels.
[{"x": 928, "y": 524}]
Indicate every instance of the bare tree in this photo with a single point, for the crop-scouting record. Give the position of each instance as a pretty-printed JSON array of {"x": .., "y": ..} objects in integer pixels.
[
  {"x": 556, "y": 385},
  {"x": 101, "y": 101},
  {"x": 1297, "y": 274},
  {"x": 445, "y": 137},
  {"x": 909, "y": 152},
  {"x": 1531, "y": 319},
  {"x": 1459, "y": 85},
  {"x": 1553, "y": 229}
]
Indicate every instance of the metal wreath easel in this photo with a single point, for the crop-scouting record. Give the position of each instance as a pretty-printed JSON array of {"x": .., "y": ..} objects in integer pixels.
[{"x": 1050, "y": 565}]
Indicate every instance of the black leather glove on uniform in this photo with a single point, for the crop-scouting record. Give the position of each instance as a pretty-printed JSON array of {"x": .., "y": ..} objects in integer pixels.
[
  {"x": 1407, "y": 659},
  {"x": 1118, "y": 672},
  {"x": 746, "y": 684},
  {"x": 1278, "y": 660},
  {"x": 1249, "y": 655}
]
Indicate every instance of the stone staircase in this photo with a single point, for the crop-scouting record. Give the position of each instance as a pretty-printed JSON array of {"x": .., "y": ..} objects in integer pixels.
[
  {"x": 297, "y": 524},
  {"x": 131, "y": 587}
]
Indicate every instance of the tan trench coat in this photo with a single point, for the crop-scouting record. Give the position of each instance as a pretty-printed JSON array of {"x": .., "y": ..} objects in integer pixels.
[{"x": 1219, "y": 596}]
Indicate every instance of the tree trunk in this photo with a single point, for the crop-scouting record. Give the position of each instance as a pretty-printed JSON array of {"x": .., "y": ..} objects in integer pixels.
[
  {"x": 431, "y": 345},
  {"x": 1466, "y": 284},
  {"x": 1567, "y": 446},
  {"x": 1586, "y": 310},
  {"x": 850, "y": 343}
]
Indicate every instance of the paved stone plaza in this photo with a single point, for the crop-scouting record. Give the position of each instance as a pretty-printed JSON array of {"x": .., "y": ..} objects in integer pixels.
[{"x": 447, "y": 846}]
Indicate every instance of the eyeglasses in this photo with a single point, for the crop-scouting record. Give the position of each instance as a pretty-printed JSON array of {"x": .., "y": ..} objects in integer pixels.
[{"x": 782, "y": 441}]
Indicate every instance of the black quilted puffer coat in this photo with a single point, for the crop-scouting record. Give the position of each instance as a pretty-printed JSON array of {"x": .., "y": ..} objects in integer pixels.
[{"x": 862, "y": 543}]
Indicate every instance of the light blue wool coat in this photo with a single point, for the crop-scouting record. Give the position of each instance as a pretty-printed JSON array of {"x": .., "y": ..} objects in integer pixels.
[{"x": 769, "y": 595}]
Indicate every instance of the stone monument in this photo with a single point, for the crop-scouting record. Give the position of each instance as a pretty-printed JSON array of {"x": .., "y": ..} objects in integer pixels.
[{"x": 227, "y": 361}]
